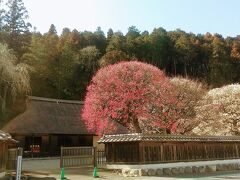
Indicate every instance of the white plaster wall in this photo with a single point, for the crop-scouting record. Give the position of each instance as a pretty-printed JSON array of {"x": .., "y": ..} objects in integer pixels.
[{"x": 172, "y": 165}]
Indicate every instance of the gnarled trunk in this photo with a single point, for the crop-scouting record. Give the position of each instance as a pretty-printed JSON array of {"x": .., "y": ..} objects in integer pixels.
[{"x": 136, "y": 126}]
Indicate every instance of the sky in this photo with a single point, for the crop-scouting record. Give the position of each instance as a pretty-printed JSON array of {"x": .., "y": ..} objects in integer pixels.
[{"x": 197, "y": 16}]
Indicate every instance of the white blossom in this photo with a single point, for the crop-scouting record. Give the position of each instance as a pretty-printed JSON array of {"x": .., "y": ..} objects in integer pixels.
[{"x": 219, "y": 111}]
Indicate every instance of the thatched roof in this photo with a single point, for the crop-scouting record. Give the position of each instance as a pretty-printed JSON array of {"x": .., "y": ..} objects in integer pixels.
[
  {"x": 137, "y": 137},
  {"x": 50, "y": 116}
]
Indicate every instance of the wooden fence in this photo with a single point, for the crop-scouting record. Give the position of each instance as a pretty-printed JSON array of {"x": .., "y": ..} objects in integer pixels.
[
  {"x": 12, "y": 157},
  {"x": 188, "y": 152},
  {"x": 82, "y": 157},
  {"x": 154, "y": 152}
]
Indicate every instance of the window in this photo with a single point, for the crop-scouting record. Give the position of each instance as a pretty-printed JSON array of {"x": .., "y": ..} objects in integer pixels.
[{"x": 32, "y": 141}]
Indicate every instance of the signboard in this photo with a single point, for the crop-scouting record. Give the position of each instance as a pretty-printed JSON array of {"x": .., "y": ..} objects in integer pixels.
[{"x": 19, "y": 168}]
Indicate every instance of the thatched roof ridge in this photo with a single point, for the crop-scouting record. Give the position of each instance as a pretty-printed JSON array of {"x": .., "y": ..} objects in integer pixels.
[
  {"x": 51, "y": 116},
  {"x": 55, "y": 100}
]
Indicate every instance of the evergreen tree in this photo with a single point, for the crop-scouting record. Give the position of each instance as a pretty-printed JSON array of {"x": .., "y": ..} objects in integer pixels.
[
  {"x": 1, "y": 16},
  {"x": 100, "y": 40},
  {"x": 109, "y": 34},
  {"x": 16, "y": 26},
  {"x": 52, "y": 30}
]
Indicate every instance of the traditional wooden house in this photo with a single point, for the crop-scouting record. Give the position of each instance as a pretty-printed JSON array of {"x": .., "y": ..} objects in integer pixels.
[
  {"x": 47, "y": 124},
  {"x": 5, "y": 141},
  {"x": 150, "y": 149}
]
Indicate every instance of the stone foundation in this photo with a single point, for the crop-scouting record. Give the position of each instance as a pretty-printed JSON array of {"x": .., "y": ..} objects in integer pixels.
[{"x": 179, "y": 169}]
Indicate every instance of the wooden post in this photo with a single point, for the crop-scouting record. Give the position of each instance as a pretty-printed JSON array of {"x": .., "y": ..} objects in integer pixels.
[
  {"x": 32, "y": 145},
  {"x": 143, "y": 153},
  {"x": 205, "y": 148},
  {"x": 20, "y": 151},
  {"x": 162, "y": 157},
  {"x": 61, "y": 158},
  {"x": 236, "y": 148},
  {"x": 113, "y": 152},
  {"x": 224, "y": 151},
  {"x": 174, "y": 152},
  {"x": 186, "y": 148},
  {"x": 94, "y": 157},
  {"x": 5, "y": 156},
  {"x": 140, "y": 153}
]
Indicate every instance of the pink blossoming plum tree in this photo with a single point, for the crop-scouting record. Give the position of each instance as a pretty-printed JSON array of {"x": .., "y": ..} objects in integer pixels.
[{"x": 137, "y": 95}]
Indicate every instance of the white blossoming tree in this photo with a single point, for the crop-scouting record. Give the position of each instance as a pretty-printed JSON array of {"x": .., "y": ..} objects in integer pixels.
[
  {"x": 219, "y": 112},
  {"x": 189, "y": 93},
  {"x": 14, "y": 79}
]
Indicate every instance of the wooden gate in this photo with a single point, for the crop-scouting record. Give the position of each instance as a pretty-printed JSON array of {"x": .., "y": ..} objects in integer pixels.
[
  {"x": 12, "y": 158},
  {"x": 101, "y": 158},
  {"x": 77, "y": 156},
  {"x": 82, "y": 157}
]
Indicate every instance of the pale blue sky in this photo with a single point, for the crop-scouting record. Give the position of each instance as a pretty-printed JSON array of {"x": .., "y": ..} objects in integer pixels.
[{"x": 197, "y": 16}]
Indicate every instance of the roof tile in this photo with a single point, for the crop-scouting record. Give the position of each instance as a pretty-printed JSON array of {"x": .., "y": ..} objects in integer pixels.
[{"x": 156, "y": 137}]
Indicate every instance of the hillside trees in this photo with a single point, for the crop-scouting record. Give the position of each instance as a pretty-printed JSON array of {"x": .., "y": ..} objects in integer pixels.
[
  {"x": 136, "y": 95},
  {"x": 131, "y": 44},
  {"x": 159, "y": 47},
  {"x": 113, "y": 57},
  {"x": 220, "y": 64},
  {"x": 210, "y": 58},
  {"x": 43, "y": 57}
]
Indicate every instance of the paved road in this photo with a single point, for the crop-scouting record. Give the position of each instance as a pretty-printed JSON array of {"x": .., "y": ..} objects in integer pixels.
[
  {"x": 86, "y": 174},
  {"x": 51, "y": 167}
]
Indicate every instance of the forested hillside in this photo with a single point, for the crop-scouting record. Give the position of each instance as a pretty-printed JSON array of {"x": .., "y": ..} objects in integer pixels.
[
  {"x": 61, "y": 64},
  {"x": 64, "y": 64}
]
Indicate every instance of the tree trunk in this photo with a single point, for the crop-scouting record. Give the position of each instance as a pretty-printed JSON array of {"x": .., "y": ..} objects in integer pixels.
[
  {"x": 168, "y": 131},
  {"x": 3, "y": 104},
  {"x": 185, "y": 70},
  {"x": 175, "y": 68},
  {"x": 136, "y": 126},
  {"x": 235, "y": 128}
]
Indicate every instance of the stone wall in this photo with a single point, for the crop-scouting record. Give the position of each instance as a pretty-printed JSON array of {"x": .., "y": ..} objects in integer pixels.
[
  {"x": 189, "y": 170},
  {"x": 174, "y": 169}
]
